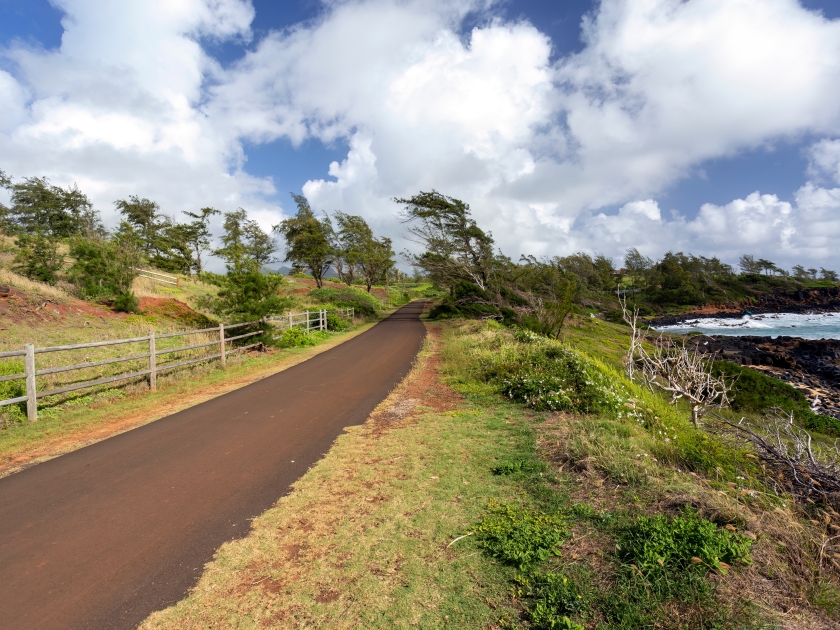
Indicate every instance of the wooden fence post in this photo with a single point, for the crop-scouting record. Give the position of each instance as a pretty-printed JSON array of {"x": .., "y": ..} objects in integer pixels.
[
  {"x": 290, "y": 319},
  {"x": 222, "y": 345},
  {"x": 307, "y": 322},
  {"x": 31, "y": 396},
  {"x": 152, "y": 362}
]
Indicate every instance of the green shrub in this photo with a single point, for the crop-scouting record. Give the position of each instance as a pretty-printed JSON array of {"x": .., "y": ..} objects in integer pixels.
[
  {"x": 126, "y": 303},
  {"x": 362, "y": 301},
  {"x": 757, "y": 392},
  {"x": 103, "y": 268},
  {"x": 518, "y": 536},
  {"x": 553, "y": 378},
  {"x": 249, "y": 295},
  {"x": 324, "y": 295},
  {"x": 554, "y": 596},
  {"x": 296, "y": 337},
  {"x": 336, "y": 322},
  {"x": 12, "y": 389},
  {"x": 686, "y": 543},
  {"x": 38, "y": 258}
]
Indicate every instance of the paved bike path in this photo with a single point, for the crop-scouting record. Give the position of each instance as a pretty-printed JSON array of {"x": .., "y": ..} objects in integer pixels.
[{"x": 103, "y": 536}]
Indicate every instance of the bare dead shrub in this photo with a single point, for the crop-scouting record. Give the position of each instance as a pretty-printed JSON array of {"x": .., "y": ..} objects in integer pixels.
[
  {"x": 681, "y": 371},
  {"x": 794, "y": 463}
]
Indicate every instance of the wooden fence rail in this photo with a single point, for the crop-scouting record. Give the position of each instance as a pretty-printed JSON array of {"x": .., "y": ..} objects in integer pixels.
[
  {"x": 310, "y": 320},
  {"x": 159, "y": 277}
]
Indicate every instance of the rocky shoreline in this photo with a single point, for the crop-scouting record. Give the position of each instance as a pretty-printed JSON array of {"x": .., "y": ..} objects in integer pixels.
[
  {"x": 812, "y": 366},
  {"x": 826, "y": 300}
]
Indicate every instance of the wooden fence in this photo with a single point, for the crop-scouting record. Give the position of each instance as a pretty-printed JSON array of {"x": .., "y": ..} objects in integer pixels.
[
  {"x": 310, "y": 320},
  {"x": 159, "y": 277}
]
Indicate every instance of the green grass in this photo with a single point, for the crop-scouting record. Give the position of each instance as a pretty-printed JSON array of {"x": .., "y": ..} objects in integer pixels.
[
  {"x": 492, "y": 514},
  {"x": 654, "y": 569}
]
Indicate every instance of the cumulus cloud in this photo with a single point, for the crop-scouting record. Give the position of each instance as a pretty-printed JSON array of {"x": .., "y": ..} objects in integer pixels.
[
  {"x": 117, "y": 108},
  {"x": 825, "y": 160},
  {"x": 131, "y": 102},
  {"x": 787, "y": 233}
]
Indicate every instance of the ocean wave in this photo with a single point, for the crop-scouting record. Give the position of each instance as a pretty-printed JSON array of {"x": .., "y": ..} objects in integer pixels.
[{"x": 806, "y": 326}]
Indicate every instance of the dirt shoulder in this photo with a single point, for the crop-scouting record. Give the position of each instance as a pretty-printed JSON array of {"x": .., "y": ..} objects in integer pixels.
[{"x": 26, "y": 446}]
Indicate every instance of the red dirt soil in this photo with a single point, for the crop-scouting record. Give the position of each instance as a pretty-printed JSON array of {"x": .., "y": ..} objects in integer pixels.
[
  {"x": 20, "y": 308},
  {"x": 17, "y": 307}
]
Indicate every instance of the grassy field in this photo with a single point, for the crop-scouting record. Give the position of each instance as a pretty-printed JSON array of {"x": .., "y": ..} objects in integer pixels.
[{"x": 457, "y": 507}]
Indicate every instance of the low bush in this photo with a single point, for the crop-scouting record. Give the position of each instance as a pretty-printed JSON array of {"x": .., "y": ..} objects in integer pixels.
[
  {"x": 126, "y": 303},
  {"x": 363, "y": 303},
  {"x": 518, "y": 536},
  {"x": 553, "y": 378},
  {"x": 685, "y": 543},
  {"x": 336, "y": 322},
  {"x": 38, "y": 258},
  {"x": 554, "y": 596},
  {"x": 12, "y": 389},
  {"x": 296, "y": 337}
]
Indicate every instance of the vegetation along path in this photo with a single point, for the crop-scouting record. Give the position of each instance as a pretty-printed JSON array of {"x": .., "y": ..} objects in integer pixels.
[{"x": 103, "y": 536}]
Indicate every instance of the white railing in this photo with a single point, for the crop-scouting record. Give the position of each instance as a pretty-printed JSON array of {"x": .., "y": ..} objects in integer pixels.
[
  {"x": 159, "y": 277},
  {"x": 311, "y": 320}
]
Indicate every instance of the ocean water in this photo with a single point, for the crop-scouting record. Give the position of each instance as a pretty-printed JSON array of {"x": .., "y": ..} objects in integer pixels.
[{"x": 806, "y": 326}]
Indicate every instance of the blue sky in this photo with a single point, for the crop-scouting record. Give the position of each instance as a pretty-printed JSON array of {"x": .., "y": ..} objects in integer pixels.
[{"x": 558, "y": 170}]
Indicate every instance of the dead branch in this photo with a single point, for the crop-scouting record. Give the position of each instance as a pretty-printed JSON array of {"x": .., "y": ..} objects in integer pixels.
[
  {"x": 792, "y": 462},
  {"x": 675, "y": 368}
]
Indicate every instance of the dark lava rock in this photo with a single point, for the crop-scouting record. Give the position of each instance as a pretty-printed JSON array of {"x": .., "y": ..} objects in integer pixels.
[{"x": 801, "y": 362}]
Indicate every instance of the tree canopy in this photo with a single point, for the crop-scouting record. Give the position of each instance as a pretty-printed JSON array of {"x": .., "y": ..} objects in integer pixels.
[
  {"x": 455, "y": 248},
  {"x": 308, "y": 242}
]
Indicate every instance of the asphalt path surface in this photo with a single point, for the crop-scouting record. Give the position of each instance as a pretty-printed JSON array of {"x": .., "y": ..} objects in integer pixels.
[{"x": 103, "y": 536}]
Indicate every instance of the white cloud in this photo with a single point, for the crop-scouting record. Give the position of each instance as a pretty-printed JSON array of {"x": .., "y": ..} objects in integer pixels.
[
  {"x": 131, "y": 103},
  {"x": 116, "y": 108},
  {"x": 825, "y": 160},
  {"x": 804, "y": 231}
]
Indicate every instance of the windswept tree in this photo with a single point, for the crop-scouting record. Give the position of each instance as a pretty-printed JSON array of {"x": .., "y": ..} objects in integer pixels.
[
  {"x": 197, "y": 235},
  {"x": 749, "y": 264},
  {"x": 245, "y": 246},
  {"x": 5, "y": 182},
  {"x": 143, "y": 215},
  {"x": 105, "y": 267},
  {"x": 56, "y": 212},
  {"x": 349, "y": 243},
  {"x": 455, "y": 248},
  {"x": 547, "y": 292},
  {"x": 38, "y": 258},
  {"x": 828, "y": 274},
  {"x": 595, "y": 274},
  {"x": 376, "y": 259},
  {"x": 307, "y": 240},
  {"x": 161, "y": 239},
  {"x": 247, "y": 293}
]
